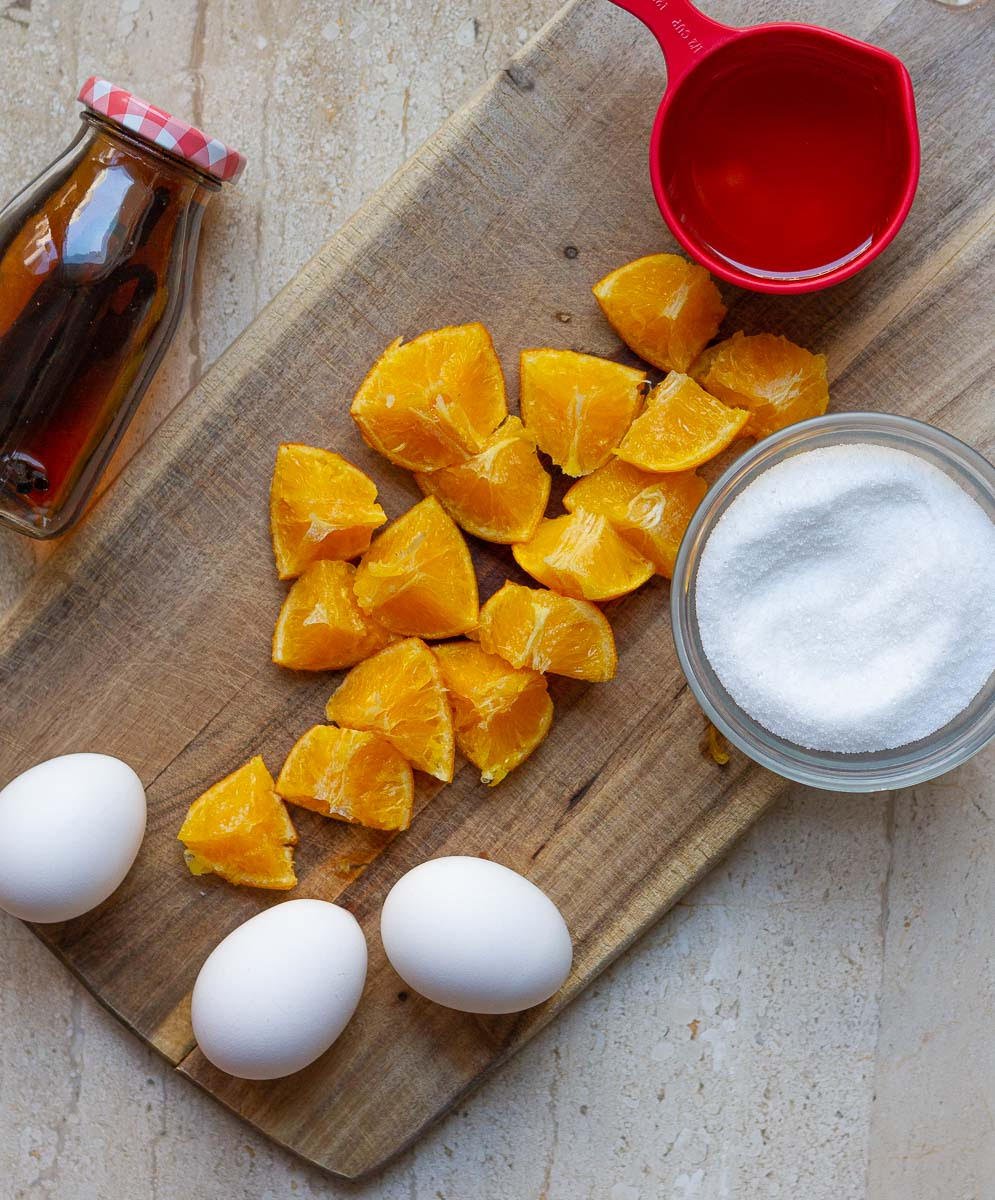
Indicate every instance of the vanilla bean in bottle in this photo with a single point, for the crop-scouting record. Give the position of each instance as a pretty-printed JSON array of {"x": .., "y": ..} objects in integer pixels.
[{"x": 96, "y": 262}]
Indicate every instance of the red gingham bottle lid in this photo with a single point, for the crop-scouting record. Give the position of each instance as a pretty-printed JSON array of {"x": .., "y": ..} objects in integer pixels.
[{"x": 161, "y": 129}]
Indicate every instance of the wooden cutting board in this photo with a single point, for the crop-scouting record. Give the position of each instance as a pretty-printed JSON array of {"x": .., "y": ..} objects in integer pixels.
[{"x": 147, "y": 635}]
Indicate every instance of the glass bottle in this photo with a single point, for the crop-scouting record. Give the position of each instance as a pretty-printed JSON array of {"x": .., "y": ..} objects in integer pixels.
[{"x": 96, "y": 261}]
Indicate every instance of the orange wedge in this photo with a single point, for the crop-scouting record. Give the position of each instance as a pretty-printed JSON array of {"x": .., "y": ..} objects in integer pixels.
[
  {"x": 399, "y": 693},
  {"x": 542, "y": 630},
  {"x": 417, "y": 578},
  {"x": 650, "y": 511},
  {"x": 681, "y": 428},
  {"x": 500, "y": 494},
  {"x": 577, "y": 406},
  {"x": 500, "y": 714},
  {"x": 239, "y": 829},
  {"x": 321, "y": 506},
  {"x": 351, "y": 776},
  {"x": 777, "y": 381},
  {"x": 581, "y": 555},
  {"x": 663, "y": 307},
  {"x": 321, "y": 626},
  {"x": 434, "y": 401}
]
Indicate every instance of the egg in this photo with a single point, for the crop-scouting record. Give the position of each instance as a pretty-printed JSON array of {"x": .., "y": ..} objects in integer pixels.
[
  {"x": 70, "y": 829},
  {"x": 279, "y": 989},
  {"x": 471, "y": 934}
]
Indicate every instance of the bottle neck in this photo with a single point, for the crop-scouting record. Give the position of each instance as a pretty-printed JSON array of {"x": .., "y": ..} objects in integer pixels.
[{"x": 127, "y": 145}]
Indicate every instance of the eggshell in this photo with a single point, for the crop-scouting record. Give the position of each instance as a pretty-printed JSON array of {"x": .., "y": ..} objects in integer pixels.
[
  {"x": 70, "y": 829},
  {"x": 279, "y": 989},
  {"x": 471, "y": 934}
]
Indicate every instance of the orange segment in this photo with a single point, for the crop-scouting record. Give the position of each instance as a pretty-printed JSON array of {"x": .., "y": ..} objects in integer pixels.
[
  {"x": 500, "y": 714},
  {"x": 417, "y": 578},
  {"x": 433, "y": 402},
  {"x": 581, "y": 555},
  {"x": 399, "y": 693},
  {"x": 545, "y": 631},
  {"x": 500, "y": 494},
  {"x": 682, "y": 427},
  {"x": 778, "y": 382},
  {"x": 650, "y": 511},
  {"x": 321, "y": 626},
  {"x": 577, "y": 406},
  {"x": 663, "y": 307},
  {"x": 351, "y": 776},
  {"x": 239, "y": 829},
  {"x": 321, "y": 506}
]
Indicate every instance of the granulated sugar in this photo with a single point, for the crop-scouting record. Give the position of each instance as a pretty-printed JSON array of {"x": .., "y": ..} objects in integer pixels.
[{"x": 846, "y": 599}]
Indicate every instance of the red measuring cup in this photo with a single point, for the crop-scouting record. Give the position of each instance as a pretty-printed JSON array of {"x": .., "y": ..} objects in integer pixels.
[{"x": 783, "y": 157}]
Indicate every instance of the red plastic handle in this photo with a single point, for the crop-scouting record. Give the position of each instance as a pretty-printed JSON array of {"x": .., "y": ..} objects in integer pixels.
[{"x": 684, "y": 33}]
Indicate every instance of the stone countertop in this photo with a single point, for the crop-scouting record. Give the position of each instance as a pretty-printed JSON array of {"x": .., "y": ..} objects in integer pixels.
[{"x": 813, "y": 1022}]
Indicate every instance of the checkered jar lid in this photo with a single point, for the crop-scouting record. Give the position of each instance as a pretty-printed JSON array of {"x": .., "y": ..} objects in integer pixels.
[{"x": 161, "y": 129}]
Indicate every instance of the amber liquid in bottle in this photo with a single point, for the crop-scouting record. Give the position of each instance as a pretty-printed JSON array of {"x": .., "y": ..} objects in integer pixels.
[{"x": 95, "y": 264}]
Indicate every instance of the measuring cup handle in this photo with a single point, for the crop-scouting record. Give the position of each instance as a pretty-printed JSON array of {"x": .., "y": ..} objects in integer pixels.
[{"x": 684, "y": 33}]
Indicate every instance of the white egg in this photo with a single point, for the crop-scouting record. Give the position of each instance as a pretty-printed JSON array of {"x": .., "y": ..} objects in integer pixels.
[
  {"x": 279, "y": 989},
  {"x": 70, "y": 829},
  {"x": 473, "y": 935}
]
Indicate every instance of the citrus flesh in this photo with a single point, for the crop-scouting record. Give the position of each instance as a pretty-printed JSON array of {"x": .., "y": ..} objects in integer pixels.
[
  {"x": 547, "y": 632},
  {"x": 321, "y": 626},
  {"x": 498, "y": 495},
  {"x": 577, "y": 406},
  {"x": 650, "y": 511},
  {"x": 399, "y": 693},
  {"x": 417, "y": 578},
  {"x": 321, "y": 507},
  {"x": 240, "y": 830},
  {"x": 663, "y": 307},
  {"x": 681, "y": 427},
  {"x": 775, "y": 380},
  {"x": 500, "y": 714},
  {"x": 432, "y": 402},
  {"x": 350, "y": 775},
  {"x": 581, "y": 555}
]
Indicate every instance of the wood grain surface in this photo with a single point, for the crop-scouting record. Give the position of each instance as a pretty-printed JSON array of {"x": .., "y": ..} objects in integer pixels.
[{"x": 148, "y": 636}]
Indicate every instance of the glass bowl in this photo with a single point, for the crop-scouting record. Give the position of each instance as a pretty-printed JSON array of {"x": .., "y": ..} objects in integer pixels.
[{"x": 942, "y": 750}]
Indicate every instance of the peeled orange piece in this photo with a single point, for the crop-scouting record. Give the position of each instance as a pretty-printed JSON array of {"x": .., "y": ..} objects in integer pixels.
[
  {"x": 536, "y": 628},
  {"x": 399, "y": 693},
  {"x": 663, "y": 307},
  {"x": 321, "y": 506},
  {"x": 650, "y": 511},
  {"x": 351, "y": 776},
  {"x": 433, "y": 402},
  {"x": 417, "y": 578},
  {"x": 581, "y": 555},
  {"x": 239, "y": 829},
  {"x": 681, "y": 428},
  {"x": 777, "y": 381},
  {"x": 577, "y": 406},
  {"x": 321, "y": 626},
  {"x": 500, "y": 714},
  {"x": 500, "y": 494}
]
